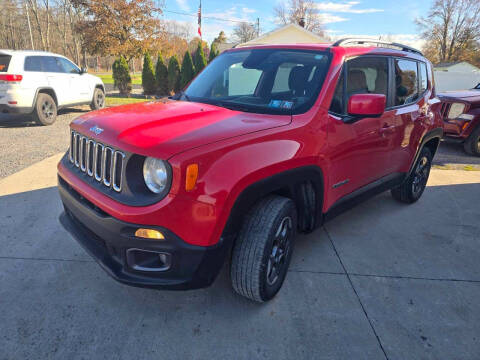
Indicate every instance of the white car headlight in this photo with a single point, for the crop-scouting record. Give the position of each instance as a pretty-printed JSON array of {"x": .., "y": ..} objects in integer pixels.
[{"x": 155, "y": 174}]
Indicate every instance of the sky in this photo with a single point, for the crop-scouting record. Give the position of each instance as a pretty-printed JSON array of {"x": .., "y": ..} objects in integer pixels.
[{"x": 392, "y": 18}]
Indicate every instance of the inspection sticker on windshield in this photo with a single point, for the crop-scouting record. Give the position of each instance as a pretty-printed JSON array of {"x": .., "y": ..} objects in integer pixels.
[
  {"x": 286, "y": 104},
  {"x": 275, "y": 103}
]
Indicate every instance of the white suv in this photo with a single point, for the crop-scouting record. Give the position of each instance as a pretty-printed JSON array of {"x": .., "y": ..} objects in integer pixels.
[{"x": 40, "y": 83}]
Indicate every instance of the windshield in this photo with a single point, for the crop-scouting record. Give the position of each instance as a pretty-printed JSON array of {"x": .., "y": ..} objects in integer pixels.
[
  {"x": 478, "y": 86},
  {"x": 276, "y": 81}
]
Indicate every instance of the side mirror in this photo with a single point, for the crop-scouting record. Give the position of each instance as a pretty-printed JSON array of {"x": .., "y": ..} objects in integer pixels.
[
  {"x": 83, "y": 70},
  {"x": 366, "y": 105}
]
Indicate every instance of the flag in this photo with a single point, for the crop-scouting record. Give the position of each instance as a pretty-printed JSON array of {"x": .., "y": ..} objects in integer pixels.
[{"x": 200, "y": 19}]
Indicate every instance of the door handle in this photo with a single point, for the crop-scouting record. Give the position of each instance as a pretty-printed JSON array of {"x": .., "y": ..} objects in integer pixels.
[{"x": 386, "y": 130}]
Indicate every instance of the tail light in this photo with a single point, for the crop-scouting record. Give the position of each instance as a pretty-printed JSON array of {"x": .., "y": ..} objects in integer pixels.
[{"x": 11, "y": 77}]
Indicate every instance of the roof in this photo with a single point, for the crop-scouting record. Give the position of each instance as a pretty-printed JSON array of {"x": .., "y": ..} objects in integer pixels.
[
  {"x": 263, "y": 39},
  {"x": 27, "y": 52},
  {"x": 344, "y": 50}
]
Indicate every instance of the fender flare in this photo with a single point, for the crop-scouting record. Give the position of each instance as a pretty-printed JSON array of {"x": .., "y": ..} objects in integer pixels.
[
  {"x": 41, "y": 89},
  {"x": 287, "y": 183},
  {"x": 436, "y": 133}
]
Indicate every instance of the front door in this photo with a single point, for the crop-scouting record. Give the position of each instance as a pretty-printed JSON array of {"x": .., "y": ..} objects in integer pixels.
[{"x": 360, "y": 151}]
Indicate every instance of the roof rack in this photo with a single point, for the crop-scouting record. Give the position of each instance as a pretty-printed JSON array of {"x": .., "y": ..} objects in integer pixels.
[{"x": 361, "y": 41}]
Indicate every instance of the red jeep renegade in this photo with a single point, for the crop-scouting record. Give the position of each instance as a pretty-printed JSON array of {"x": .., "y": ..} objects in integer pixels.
[{"x": 266, "y": 142}]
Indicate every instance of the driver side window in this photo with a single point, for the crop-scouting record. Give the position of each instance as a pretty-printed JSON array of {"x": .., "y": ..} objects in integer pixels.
[
  {"x": 365, "y": 75},
  {"x": 68, "y": 66}
]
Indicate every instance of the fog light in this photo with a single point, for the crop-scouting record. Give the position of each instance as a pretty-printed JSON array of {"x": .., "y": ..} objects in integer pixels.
[{"x": 149, "y": 234}]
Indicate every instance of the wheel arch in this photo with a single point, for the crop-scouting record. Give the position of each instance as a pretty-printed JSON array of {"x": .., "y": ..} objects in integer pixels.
[
  {"x": 306, "y": 190},
  {"x": 45, "y": 90},
  {"x": 431, "y": 140}
]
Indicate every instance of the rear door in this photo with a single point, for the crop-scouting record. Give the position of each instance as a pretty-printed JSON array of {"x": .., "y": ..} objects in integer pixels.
[
  {"x": 360, "y": 150},
  {"x": 410, "y": 101},
  {"x": 57, "y": 79},
  {"x": 79, "y": 84}
]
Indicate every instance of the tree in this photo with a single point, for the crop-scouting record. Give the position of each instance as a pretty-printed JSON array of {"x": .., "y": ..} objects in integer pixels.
[
  {"x": 173, "y": 74},
  {"x": 118, "y": 27},
  {"x": 300, "y": 12},
  {"x": 199, "y": 60},
  {"x": 213, "y": 52},
  {"x": 121, "y": 77},
  {"x": 220, "y": 39},
  {"x": 188, "y": 70},
  {"x": 148, "y": 76},
  {"x": 451, "y": 30},
  {"x": 245, "y": 32},
  {"x": 161, "y": 74}
]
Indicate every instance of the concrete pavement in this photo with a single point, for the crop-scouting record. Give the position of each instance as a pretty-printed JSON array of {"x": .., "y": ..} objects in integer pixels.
[{"x": 382, "y": 281}]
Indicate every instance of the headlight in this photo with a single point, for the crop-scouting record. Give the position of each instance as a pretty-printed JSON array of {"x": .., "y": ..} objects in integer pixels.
[
  {"x": 456, "y": 109},
  {"x": 155, "y": 174}
]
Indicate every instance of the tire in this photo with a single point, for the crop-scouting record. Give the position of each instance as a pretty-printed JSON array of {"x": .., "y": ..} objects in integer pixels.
[
  {"x": 472, "y": 144},
  {"x": 413, "y": 187},
  {"x": 98, "y": 101},
  {"x": 263, "y": 249},
  {"x": 45, "y": 112}
]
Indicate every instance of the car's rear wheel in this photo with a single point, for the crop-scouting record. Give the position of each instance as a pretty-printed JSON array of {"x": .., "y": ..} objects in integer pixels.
[
  {"x": 98, "y": 101},
  {"x": 472, "y": 144},
  {"x": 263, "y": 249},
  {"x": 45, "y": 112},
  {"x": 413, "y": 187}
]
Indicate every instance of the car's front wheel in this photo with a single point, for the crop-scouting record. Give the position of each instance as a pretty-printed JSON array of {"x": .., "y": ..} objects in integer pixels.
[
  {"x": 98, "y": 101},
  {"x": 472, "y": 144},
  {"x": 263, "y": 249},
  {"x": 413, "y": 187},
  {"x": 45, "y": 112}
]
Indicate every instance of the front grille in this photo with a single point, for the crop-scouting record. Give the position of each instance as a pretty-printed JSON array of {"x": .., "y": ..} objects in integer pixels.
[{"x": 97, "y": 160}]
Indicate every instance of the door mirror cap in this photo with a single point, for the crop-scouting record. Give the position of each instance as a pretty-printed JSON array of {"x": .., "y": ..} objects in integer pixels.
[{"x": 367, "y": 105}]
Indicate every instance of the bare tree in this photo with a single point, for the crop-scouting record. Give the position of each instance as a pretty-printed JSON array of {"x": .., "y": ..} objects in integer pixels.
[
  {"x": 451, "y": 29},
  {"x": 300, "y": 12},
  {"x": 245, "y": 32}
]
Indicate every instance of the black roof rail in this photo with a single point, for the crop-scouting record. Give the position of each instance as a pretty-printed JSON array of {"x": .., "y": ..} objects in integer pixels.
[{"x": 361, "y": 41}]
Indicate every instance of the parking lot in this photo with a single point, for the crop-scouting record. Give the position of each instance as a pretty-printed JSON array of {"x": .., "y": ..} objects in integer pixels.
[{"x": 382, "y": 281}]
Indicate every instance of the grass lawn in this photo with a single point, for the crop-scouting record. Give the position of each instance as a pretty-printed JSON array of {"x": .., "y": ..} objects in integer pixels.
[
  {"x": 108, "y": 79},
  {"x": 115, "y": 101}
]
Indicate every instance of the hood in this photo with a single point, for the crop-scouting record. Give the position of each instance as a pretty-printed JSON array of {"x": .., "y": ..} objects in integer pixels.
[
  {"x": 465, "y": 95},
  {"x": 163, "y": 129}
]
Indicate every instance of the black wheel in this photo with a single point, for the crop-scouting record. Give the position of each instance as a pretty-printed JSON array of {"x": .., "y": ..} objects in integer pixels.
[
  {"x": 263, "y": 249},
  {"x": 98, "y": 101},
  {"x": 472, "y": 144},
  {"x": 413, "y": 187},
  {"x": 45, "y": 112}
]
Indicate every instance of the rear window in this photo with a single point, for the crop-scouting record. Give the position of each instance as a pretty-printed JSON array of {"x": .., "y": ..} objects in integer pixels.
[
  {"x": 4, "y": 62},
  {"x": 43, "y": 63}
]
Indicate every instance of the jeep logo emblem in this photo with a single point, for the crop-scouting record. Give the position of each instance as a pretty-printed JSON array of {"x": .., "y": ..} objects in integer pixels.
[{"x": 97, "y": 130}]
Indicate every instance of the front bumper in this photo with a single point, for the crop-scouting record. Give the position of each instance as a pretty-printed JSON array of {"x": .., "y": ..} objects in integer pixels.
[{"x": 108, "y": 240}]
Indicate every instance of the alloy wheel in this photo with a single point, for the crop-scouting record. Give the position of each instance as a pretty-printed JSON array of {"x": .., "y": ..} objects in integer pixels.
[
  {"x": 421, "y": 176},
  {"x": 280, "y": 251},
  {"x": 47, "y": 109}
]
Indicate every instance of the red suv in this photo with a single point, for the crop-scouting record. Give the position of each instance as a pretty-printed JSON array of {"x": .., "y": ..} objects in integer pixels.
[
  {"x": 461, "y": 116},
  {"x": 266, "y": 142}
]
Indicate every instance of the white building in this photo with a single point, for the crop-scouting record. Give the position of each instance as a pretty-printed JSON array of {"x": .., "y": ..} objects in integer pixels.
[{"x": 458, "y": 75}]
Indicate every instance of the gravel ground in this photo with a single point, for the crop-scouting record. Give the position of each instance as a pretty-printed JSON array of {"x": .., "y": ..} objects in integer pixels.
[{"x": 23, "y": 143}]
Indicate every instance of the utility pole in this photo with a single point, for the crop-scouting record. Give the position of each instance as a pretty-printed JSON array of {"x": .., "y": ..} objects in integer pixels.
[
  {"x": 258, "y": 27},
  {"x": 29, "y": 26}
]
